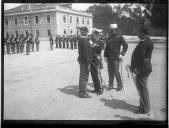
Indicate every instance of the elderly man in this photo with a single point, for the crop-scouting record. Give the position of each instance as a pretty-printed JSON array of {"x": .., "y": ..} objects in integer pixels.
[
  {"x": 84, "y": 59},
  {"x": 141, "y": 66},
  {"x": 113, "y": 55},
  {"x": 96, "y": 65}
]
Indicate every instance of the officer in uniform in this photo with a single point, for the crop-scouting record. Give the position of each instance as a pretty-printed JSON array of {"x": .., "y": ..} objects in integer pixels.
[
  {"x": 67, "y": 41},
  {"x": 64, "y": 41},
  {"x": 84, "y": 59},
  {"x": 18, "y": 44},
  {"x": 13, "y": 43},
  {"x": 96, "y": 65},
  {"x": 71, "y": 41},
  {"x": 141, "y": 66},
  {"x": 56, "y": 41},
  {"x": 37, "y": 42},
  {"x": 22, "y": 43},
  {"x": 60, "y": 40},
  {"x": 113, "y": 56},
  {"x": 28, "y": 42},
  {"x": 51, "y": 41},
  {"x": 32, "y": 43},
  {"x": 9, "y": 42}
]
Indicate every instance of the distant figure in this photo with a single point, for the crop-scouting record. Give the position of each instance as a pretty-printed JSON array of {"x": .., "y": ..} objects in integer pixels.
[
  {"x": 67, "y": 41},
  {"x": 113, "y": 56},
  {"x": 56, "y": 41},
  {"x": 84, "y": 59},
  {"x": 64, "y": 41},
  {"x": 32, "y": 43},
  {"x": 37, "y": 42},
  {"x": 22, "y": 41},
  {"x": 71, "y": 42},
  {"x": 51, "y": 42},
  {"x": 28, "y": 42},
  {"x": 6, "y": 43},
  {"x": 141, "y": 66},
  {"x": 60, "y": 41},
  {"x": 18, "y": 44},
  {"x": 13, "y": 43}
]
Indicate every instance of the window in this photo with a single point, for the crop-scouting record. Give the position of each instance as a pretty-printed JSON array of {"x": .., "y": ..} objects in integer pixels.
[
  {"x": 26, "y": 32},
  {"x": 48, "y": 18},
  {"x": 77, "y": 20},
  {"x": 15, "y": 21},
  {"x": 82, "y": 20},
  {"x": 36, "y": 32},
  {"x": 6, "y": 22},
  {"x": 25, "y": 20},
  {"x": 70, "y": 19},
  {"x": 16, "y": 33},
  {"x": 49, "y": 32},
  {"x": 87, "y": 21},
  {"x": 64, "y": 19},
  {"x": 36, "y": 20},
  {"x": 64, "y": 31}
]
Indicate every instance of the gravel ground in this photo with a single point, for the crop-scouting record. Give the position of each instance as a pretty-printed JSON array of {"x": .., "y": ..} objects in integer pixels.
[{"x": 44, "y": 86}]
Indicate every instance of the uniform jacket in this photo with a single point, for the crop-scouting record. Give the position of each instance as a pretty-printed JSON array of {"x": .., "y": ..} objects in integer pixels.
[
  {"x": 141, "y": 57},
  {"x": 84, "y": 50},
  {"x": 113, "y": 44},
  {"x": 96, "y": 53}
]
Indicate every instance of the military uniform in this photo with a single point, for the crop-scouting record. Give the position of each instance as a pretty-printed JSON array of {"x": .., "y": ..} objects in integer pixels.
[
  {"x": 75, "y": 41},
  {"x": 9, "y": 44},
  {"x": 28, "y": 42},
  {"x": 51, "y": 42},
  {"x": 18, "y": 44},
  {"x": 64, "y": 41},
  {"x": 56, "y": 41},
  {"x": 112, "y": 52},
  {"x": 96, "y": 65},
  {"x": 13, "y": 44},
  {"x": 71, "y": 42},
  {"x": 141, "y": 60},
  {"x": 22, "y": 41},
  {"x": 37, "y": 43},
  {"x": 67, "y": 41},
  {"x": 60, "y": 40},
  {"x": 32, "y": 43}
]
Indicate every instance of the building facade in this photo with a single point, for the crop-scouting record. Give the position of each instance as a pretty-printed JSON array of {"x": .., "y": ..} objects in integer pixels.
[{"x": 45, "y": 19}]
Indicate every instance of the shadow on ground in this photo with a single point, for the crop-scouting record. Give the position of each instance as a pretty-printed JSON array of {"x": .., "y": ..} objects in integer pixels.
[
  {"x": 118, "y": 104},
  {"x": 70, "y": 90},
  {"x": 129, "y": 118},
  {"x": 91, "y": 85}
]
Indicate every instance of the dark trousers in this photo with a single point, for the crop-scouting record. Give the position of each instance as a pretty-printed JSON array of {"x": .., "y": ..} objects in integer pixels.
[
  {"x": 141, "y": 83},
  {"x": 71, "y": 44},
  {"x": 67, "y": 43},
  {"x": 56, "y": 44},
  {"x": 63, "y": 44},
  {"x": 60, "y": 45},
  {"x": 83, "y": 79},
  {"x": 51, "y": 45},
  {"x": 13, "y": 48},
  {"x": 37, "y": 46},
  {"x": 22, "y": 47},
  {"x": 113, "y": 70},
  {"x": 32, "y": 47},
  {"x": 75, "y": 45},
  {"x": 27, "y": 48},
  {"x": 8, "y": 48},
  {"x": 18, "y": 47},
  {"x": 96, "y": 76}
]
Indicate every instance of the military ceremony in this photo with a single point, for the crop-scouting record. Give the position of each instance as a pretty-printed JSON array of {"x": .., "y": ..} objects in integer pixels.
[{"x": 85, "y": 61}]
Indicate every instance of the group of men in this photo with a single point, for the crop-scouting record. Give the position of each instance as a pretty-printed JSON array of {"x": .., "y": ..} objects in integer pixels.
[
  {"x": 90, "y": 46},
  {"x": 15, "y": 43},
  {"x": 65, "y": 41}
]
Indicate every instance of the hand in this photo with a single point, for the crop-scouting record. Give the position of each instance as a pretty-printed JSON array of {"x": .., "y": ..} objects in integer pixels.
[
  {"x": 121, "y": 57},
  {"x": 136, "y": 71},
  {"x": 105, "y": 59}
]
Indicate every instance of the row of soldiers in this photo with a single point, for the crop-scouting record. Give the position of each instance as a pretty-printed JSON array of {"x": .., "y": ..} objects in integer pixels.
[
  {"x": 65, "y": 41},
  {"x": 17, "y": 43}
]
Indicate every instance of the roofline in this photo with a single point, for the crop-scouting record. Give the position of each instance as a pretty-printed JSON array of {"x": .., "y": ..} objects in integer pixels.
[{"x": 56, "y": 9}]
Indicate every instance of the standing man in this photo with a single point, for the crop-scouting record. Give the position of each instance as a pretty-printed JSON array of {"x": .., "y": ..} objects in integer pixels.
[
  {"x": 51, "y": 41},
  {"x": 141, "y": 66},
  {"x": 113, "y": 56},
  {"x": 22, "y": 43},
  {"x": 56, "y": 41},
  {"x": 67, "y": 41},
  {"x": 37, "y": 42},
  {"x": 60, "y": 40},
  {"x": 13, "y": 43},
  {"x": 28, "y": 42},
  {"x": 71, "y": 41},
  {"x": 96, "y": 65},
  {"x": 64, "y": 41},
  {"x": 32, "y": 42},
  {"x": 84, "y": 59}
]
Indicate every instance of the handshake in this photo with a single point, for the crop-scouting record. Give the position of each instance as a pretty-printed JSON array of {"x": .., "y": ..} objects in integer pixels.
[{"x": 120, "y": 58}]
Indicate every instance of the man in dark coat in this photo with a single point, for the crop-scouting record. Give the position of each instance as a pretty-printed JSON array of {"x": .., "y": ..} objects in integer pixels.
[
  {"x": 32, "y": 43},
  {"x": 64, "y": 41},
  {"x": 141, "y": 66},
  {"x": 67, "y": 41},
  {"x": 28, "y": 42},
  {"x": 13, "y": 43},
  {"x": 60, "y": 40},
  {"x": 113, "y": 56},
  {"x": 51, "y": 41},
  {"x": 56, "y": 41},
  {"x": 96, "y": 64},
  {"x": 71, "y": 41},
  {"x": 84, "y": 59}
]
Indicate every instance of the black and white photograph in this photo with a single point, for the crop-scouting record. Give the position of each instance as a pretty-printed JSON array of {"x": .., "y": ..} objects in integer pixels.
[{"x": 85, "y": 61}]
